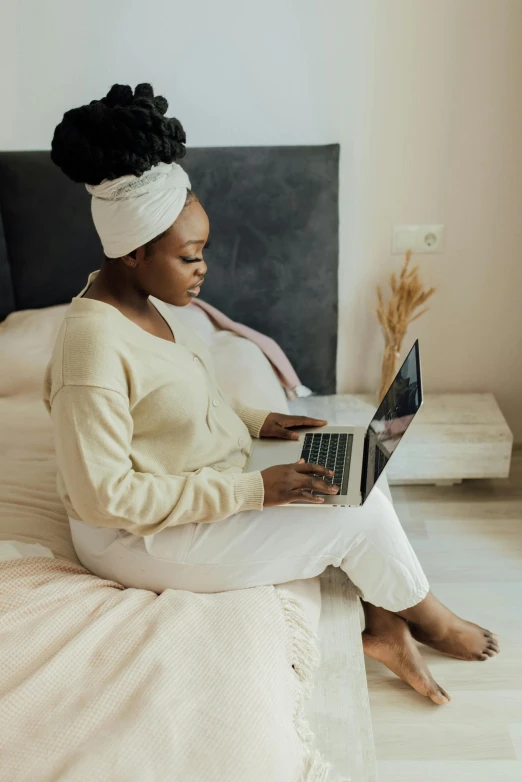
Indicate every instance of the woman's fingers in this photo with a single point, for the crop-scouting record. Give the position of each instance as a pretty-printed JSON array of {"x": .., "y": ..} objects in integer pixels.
[
  {"x": 286, "y": 434},
  {"x": 313, "y": 499},
  {"x": 310, "y": 493},
  {"x": 318, "y": 469},
  {"x": 300, "y": 495},
  {"x": 312, "y": 483},
  {"x": 317, "y": 484},
  {"x": 303, "y": 420},
  {"x": 304, "y": 494}
]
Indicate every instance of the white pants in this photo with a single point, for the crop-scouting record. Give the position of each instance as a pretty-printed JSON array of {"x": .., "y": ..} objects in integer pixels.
[{"x": 256, "y": 548}]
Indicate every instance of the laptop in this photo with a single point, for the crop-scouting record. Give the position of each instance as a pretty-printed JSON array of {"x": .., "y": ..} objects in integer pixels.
[{"x": 358, "y": 455}]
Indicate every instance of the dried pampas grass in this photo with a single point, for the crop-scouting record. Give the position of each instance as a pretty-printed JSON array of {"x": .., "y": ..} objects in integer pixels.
[{"x": 407, "y": 296}]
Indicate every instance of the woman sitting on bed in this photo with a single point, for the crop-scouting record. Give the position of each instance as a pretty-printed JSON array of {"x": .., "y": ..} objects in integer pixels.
[{"x": 150, "y": 452}]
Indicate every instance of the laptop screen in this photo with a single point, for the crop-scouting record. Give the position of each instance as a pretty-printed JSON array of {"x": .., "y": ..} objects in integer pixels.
[{"x": 391, "y": 420}]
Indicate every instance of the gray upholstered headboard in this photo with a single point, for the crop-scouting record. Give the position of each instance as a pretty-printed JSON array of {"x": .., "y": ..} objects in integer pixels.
[{"x": 274, "y": 242}]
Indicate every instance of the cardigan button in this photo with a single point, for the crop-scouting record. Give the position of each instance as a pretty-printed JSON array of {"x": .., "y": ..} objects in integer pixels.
[
  {"x": 215, "y": 402},
  {"x": 240, "y": 441},
  {"x": 196, "y": 360}
]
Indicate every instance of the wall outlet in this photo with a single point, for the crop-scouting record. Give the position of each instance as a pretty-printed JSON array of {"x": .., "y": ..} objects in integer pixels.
[{"x": 418, "y": 238}]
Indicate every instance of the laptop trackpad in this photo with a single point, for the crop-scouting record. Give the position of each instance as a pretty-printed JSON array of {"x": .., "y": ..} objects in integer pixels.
[{"x": 267, "y": 452}]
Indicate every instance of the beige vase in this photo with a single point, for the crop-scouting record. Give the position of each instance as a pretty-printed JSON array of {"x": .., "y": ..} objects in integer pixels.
[{"x": 389, "y": 369}]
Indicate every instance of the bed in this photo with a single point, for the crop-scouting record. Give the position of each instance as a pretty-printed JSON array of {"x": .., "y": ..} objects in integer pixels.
[{"x": 273, "y": 266}]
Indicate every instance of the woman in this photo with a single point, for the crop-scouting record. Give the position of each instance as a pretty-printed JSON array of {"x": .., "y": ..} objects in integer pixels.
[{"x": 151, "y": 453}]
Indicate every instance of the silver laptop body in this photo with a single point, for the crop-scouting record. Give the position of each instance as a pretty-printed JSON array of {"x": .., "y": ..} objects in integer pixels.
[{"x": 360, "y": 454}]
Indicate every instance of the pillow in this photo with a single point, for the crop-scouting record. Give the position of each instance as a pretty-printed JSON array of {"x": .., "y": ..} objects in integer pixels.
[
  {"x": 26, "y": 343},
  {"x": 196, "y": 320},
  {"x": 241, "y": 367},
  {"x": 243, "y": 370},
  {"x": 30, "y": 509}
]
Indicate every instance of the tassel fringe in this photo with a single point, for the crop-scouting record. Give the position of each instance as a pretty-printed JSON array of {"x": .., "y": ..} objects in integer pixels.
[{"x": 306, "y": 660}]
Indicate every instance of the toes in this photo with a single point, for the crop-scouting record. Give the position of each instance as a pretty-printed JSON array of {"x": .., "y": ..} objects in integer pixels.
[
  {"x": 445, "y": 694},
  {"x": 482, "y": 656},
  {"x": 439, "y": 696},
  {"x": 492, "y": 645},
  {"x": 434, "y": 690}
]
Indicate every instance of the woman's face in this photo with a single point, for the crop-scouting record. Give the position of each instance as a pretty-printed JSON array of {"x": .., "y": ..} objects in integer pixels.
[{"x": 174, "y": 264}]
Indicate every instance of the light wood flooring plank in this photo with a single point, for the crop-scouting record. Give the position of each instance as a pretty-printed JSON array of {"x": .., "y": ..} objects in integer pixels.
[
  {"x": 497, "y": 707},
  {"x": 515, "y": 731},
  {"x": 443, "y": 771},
  {"x": 450, "y": 740},
  {"x": 442, "y": 562}
]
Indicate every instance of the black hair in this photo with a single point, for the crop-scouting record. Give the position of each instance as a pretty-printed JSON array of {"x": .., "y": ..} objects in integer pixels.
[{"x": 125, "y": 132}]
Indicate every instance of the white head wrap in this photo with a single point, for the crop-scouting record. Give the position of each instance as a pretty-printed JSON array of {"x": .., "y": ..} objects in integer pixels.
[{"x": 131, "y": 210}]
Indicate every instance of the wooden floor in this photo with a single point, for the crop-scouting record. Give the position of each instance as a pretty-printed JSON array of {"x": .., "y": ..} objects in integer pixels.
[{"x": 469, "y": 541}]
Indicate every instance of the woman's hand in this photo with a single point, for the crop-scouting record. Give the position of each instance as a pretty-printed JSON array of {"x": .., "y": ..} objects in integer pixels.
[
  {"x": 277, "y": 425},
  {"x": 285, "y": 483}
]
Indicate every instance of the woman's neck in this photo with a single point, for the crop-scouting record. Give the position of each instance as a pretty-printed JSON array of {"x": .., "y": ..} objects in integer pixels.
[{"x": 113, "y": 284}]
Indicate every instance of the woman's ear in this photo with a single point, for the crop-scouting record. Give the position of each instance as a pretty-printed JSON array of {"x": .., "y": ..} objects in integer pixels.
[
  {"x": 130, "y": 258},
  {"x": 134, "y": 257}
]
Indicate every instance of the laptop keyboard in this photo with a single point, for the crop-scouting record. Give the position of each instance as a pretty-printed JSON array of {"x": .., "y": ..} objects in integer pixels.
[{"x": 332, "y": 450}]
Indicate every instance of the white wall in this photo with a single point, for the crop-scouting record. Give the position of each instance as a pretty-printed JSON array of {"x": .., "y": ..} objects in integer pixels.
[
  {"x": 443, "y": 135},
  {"x": 234, "y": 72},
  {"x": 424, "y": 96}
]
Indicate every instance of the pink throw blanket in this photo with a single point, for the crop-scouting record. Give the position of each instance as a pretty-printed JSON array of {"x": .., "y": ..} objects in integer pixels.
[{"x": 274, "y": 353}]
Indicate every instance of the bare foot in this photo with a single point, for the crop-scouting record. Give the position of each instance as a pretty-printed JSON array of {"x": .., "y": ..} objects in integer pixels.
[
  {"x": 433, "y": 624},
  {"x": 387, "y": 638},
  {"x": 461, "y": 639}
]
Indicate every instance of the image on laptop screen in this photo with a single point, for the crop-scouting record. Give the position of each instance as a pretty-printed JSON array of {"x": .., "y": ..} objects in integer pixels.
[{"x": 393, "y": 417}]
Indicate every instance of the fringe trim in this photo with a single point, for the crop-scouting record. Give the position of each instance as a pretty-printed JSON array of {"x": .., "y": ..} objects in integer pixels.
[{"x": 306, "y": 659}]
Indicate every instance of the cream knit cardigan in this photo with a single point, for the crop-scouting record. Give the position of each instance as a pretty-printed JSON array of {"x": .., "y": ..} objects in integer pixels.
[{"x": 144, "y": 437}]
